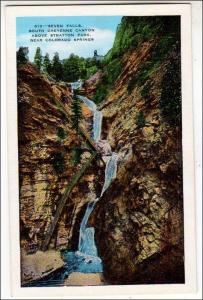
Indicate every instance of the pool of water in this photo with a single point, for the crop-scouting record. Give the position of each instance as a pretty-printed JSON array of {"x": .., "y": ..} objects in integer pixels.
[{"x": 74, "y": 262}]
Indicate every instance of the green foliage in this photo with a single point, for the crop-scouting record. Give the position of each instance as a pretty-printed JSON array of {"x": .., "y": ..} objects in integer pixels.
[
  {"x": 143, "y": 74},
  {"x": 131, "y": 33},
  {"x": 112, "y": 71},
  {"x": 134, "y": 30},
  {"x": 47, "y": 64},
  {"x": 57, "y": 68},
  {"x": 145, "y": 91},
  {"x": 170, "y": 102},
  {"x": 76, "y": 113},
  {"x": 58, "y": 162},
  {"x": 131, "y": 84},
  {"x": 61, "y": 133},
  {"x": 76, "y": 155},
  {"x": 22, "y": 55},
  {"x": 74, "y": 68},
  {"x": 91, "y": 71},
  {"x": 140, "y": 120},
  {"x": 101, "y": 93},
  {"x": 148, "y": 32},
  {"x": 160, "y": 52},
  {"x": 38, "y": 58}
]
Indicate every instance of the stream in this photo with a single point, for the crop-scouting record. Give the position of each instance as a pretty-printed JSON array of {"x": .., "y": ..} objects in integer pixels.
[{"x": 86, "y": 259}]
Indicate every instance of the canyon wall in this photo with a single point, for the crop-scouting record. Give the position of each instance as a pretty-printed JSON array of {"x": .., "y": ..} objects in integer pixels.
[
  {"x": 139, "y": 220},
  {"x": 47, "y": 162}
]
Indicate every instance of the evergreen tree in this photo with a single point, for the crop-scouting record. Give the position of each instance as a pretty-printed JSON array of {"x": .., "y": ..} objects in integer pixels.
[
  {"x": 57, "y": 69},
  {"x": 22, "y": 55},
  {"x": 76, "y": 113},
  {"x": 38, "y": 58},
  {"x": 74, "y": 68},
  {"x": 47, "y": 64}
]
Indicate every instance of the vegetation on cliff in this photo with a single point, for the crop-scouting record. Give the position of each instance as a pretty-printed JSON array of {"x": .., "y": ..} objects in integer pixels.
[
  {"x": 139, "y": 219},
  {"x": 69, "y": 69},
  {"x": 164, "y": 35}
]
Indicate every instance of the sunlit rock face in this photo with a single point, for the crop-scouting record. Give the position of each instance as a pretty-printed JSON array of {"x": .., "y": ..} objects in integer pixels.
[
  {"x": 103, "y": 147},
  {"x": 46, "y": 142},
  {"x": 91, "y": 84},
  {"x": 139, "y": 220}
]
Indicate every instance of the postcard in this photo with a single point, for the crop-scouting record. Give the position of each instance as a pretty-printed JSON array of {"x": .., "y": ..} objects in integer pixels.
[{"x": 101, "y": 154}]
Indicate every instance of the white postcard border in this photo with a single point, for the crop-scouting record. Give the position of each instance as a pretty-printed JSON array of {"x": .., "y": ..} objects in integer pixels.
[{"x": 188, "y": 160}]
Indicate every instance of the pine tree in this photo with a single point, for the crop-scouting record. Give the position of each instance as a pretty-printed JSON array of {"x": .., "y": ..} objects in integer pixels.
[
  {"x": 76, "y": 114},
  {"x": 22, "y": 55},
  {"x": 57, "y": 68},
  {"x": 38, "y": 58},
  {"x": 47, "y": 64}
]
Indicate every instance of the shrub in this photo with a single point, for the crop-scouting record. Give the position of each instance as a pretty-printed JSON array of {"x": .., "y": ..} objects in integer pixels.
[
  {"x": 91, "y": 71},
  {"x": 160, "y": 51},
  {"x": 145, "y": 91},
  {"x": 76, "y": 155},
  {"x": 170, "y": 101},
  {"x": 131, "y": 84},
  {"x": 58, "y": 162},
  {"x": 113, "y": 71},
  {"x": 100, "y": 94},
  {"x": 76, "y": 112},
  {"x": 140, "y": 120},
  {"x": 61, "y": 133}
]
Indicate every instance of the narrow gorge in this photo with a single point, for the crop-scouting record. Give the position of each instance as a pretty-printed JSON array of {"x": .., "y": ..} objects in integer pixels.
[{"x": 104, "y": 200}]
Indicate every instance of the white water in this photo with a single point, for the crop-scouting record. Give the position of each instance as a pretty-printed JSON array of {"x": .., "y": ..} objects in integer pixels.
[
  {"x": 76, "y": 85},
  {"x": 110, "y": 171},
  {"x": 86, "y": 239},
  {"x": 97, "y": 117},
  {"x": 87, "y": 245}
]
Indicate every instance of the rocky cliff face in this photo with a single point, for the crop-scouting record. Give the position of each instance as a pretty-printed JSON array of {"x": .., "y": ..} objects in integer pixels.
[
  {"x": 46, "y": 162},
  {"x": 139, "y": 220}
]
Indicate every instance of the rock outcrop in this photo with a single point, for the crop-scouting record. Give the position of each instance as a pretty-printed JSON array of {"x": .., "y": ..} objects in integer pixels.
[
  {"x": 47, "y": 162},
  {"x": 39, "y": 265},
  {"x": 139, "y": 219}
]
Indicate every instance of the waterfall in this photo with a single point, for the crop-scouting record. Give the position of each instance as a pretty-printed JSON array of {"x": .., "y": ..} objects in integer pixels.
[
  {"x": 97, "y": 117},
  {"x": 110, "y": 171},
  {"x": 76, "y": 85},
  {"x": 86, "y": 239},
  {"x": 97, "y": 122}
]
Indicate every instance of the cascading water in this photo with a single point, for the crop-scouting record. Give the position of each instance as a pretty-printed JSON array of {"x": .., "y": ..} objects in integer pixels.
[
  {"x": 97, "y": 117},
  {"x": 110, "y": 171},
  {"x": 76, "y": 85},
  {"x": 86, "y": 240},
  {"x": 86, "y": 259}
]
